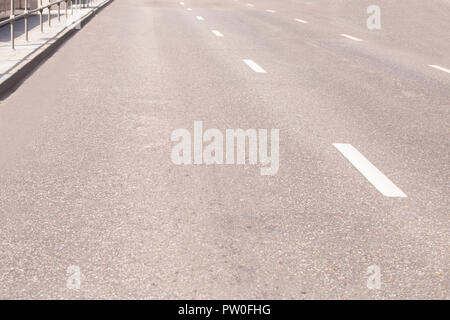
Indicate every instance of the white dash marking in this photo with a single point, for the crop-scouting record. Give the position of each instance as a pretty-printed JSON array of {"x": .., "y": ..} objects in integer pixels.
[
  {"x": 301, "y": 21},
  {"x": 200, "y": 18},
  {"x": 189, "y": 9},
  {"x": 439, "y": 68},
  {"x": 254, "y": 66},
  {"x": 270, "y": 10},
  {"x": 182, "y": 3},
  {"x": 249, "y": 4},
  {"x": 217, "y": 33},
  {"x": 350, "y": 37},
  {"x": 368, "y": 170}
]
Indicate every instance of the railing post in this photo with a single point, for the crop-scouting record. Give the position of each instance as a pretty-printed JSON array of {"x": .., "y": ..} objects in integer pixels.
[
  {"x": 50, "y": 16},
  {"x": 41, "y": 17},
  {"x": 59, "y": 11},
  {"x": 26, "y": 19},
  {"x": 67, "y": 3},
  {"x": 41, "y": 20},
  {"x": 12, "y": 24}
]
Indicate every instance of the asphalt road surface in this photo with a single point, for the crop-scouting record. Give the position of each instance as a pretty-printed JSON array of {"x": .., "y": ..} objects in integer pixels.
[{"x": 87, "y": 182}]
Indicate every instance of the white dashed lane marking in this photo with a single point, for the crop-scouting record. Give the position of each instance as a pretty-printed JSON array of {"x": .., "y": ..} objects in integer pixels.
[
  {"x": 200, "y": 18},
  {"x": 254, "y": 66},
  {"x": 270, "y": 10},
  {"x": 368, "y": 170},
  {"x": 439, "y": 68},
  {"x": 301, "y": 21},
  {"x": 350, "y": 37},
  {"x": 217, "y": 33}
]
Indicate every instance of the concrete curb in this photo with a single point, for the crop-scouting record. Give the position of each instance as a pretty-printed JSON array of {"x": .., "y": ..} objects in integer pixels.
[{"x": 21, "y": 71}]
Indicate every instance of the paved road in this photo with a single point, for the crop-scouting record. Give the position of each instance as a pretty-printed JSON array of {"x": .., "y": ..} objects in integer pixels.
[{"x": 86, "y": 177}]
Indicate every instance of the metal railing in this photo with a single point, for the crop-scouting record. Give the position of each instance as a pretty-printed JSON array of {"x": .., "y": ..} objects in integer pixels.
[
  {"x": 74, "y": 5},
  {"x": 20, "y": 5}
]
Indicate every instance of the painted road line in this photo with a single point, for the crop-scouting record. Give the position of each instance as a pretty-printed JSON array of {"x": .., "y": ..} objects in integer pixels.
[
  {"x": 200, "y": 18},
  {"x": 250, "y": 5},
  {"x": 301, "y": 21},
  {"x": 368, "y": 170},
  {"x": 254, "y": 66},
  {"x": 189, "y": 9},
  {"x": 182, "y": 3},
  {"x": 350, "y": 37},
  {"x": 270, "y": 10},
  {"x": 439, "y": 68},
  {"x": 217, "y": 33}
]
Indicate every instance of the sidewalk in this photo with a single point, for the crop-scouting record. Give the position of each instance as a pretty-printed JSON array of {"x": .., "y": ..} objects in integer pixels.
[{"x": 25, "y": 50}]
